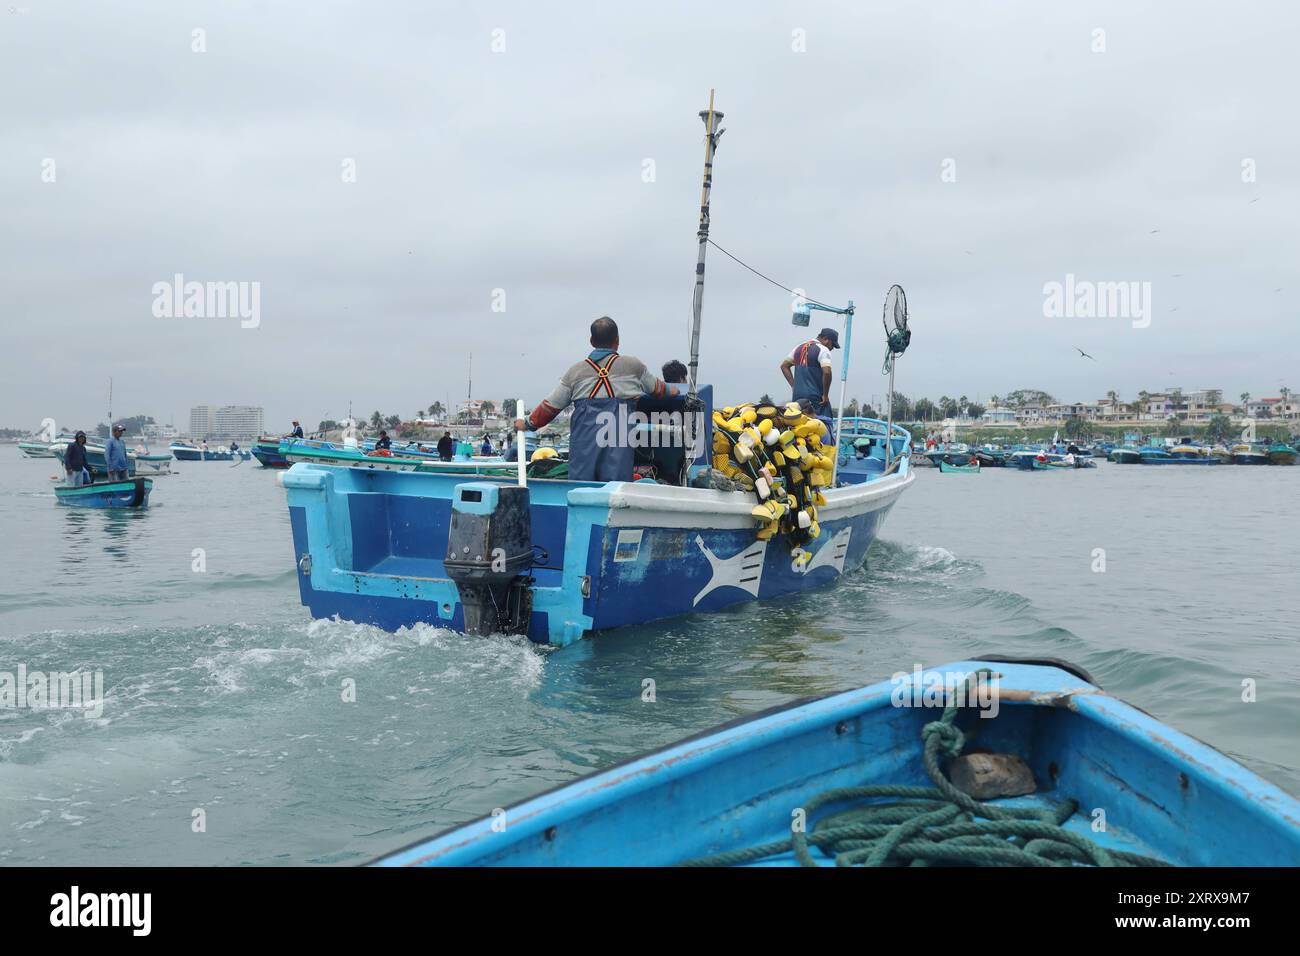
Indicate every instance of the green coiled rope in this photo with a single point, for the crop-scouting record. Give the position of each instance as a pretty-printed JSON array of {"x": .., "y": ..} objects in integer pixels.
[{"x": 939, "y": 825}]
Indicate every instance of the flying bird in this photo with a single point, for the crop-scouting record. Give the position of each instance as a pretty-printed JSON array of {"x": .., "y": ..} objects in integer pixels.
[
  {"x": 1083, "y": 353},
  {"x": 1153, "y": 232}
]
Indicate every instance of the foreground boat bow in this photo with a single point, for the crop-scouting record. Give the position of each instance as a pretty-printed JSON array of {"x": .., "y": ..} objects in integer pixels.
[{"x": 1139, "y": 792}]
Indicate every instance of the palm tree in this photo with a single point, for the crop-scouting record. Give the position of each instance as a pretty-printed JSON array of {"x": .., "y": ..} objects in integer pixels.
[
  {"x": 995, "y": 400},
  {"x": 376, "y": 421},
  {"x": 436, "y": 410},
  {"x": 1245, "y": 398},
  {"x": 488, "y": 408}
]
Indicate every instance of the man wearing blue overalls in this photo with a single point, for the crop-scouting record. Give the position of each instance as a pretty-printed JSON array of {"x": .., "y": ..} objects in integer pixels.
[
  {"x": 808, "y": 370},
  {"x": 603, "y": 389}
]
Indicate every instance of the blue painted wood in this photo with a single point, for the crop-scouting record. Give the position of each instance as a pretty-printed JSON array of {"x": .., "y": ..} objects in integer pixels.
[{"x": 1163, "y": 793}]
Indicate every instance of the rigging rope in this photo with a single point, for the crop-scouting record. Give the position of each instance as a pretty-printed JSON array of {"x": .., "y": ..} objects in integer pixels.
[
  {"x": 769, "y": 278},
  {"x": 924, "y": 826}
]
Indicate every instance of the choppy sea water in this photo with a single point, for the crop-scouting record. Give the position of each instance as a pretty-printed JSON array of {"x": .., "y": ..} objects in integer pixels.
[{"x": 222, "y": 696}]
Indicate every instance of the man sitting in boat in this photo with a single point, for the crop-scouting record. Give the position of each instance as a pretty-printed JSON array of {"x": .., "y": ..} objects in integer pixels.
[
  {"x": 384, "y": 443},
  {"x": 115, "y": 455},
  {"x": 446, "y": 447},
  {"x": 74, "y": 461},
  {"x": 602, "y": 388},
  {"x": 663, "y": 457},
  {"x": 297, "y": 431},
  {"x": 808, "y": 370}
]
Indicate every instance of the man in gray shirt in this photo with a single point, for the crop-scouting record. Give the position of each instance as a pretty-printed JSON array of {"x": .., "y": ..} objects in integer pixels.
[{"x": 603, "y": 389}]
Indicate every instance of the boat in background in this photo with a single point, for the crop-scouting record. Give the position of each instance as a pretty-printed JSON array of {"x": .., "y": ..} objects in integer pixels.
[
  {"x": 1047, "y": 464},
  {"x": 184, "y": 451},
  {"x": 1126, "y": 455},
  {"x": 137, "y": 462},
  {"x": 862, "y": 449},
  {"x": 40, "y": 448},
  {"x": 724, "y": 797},
  {"x": 132, "y": 493},
  {"x": 267, "y": 451},
  {"x": 1281, "y": 454},
  {"x": 946, "y": 468},
  {"x": 1249, "y": 454}
]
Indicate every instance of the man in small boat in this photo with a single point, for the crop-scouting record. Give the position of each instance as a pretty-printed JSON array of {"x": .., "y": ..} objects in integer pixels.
[
  {"x": 446, "y": 447},
  {"x": 602, "y": 388},
  {"x": 297, "y": 431},
  {"x": 383, "y": 443},
  {"x": 115, "y": 455},
  {"x": 486, "y": 447},
  {"x": 808, "y": 370},
  {"x": 74, "y": 461}
]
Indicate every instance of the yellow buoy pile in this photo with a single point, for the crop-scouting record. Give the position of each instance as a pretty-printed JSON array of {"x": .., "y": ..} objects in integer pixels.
[{"x": 777, "y": 453}]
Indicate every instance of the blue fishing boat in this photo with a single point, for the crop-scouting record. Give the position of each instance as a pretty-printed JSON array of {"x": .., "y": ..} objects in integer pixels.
[
  {"x": 946, "y": 468},
  {"x": 267, "y": 451},
  {"x": 557, "y": 559},
  {"x": 133, "y": 493},
  {"x": 886, "y": 775},
  {"x": 862, "y": 449},
  {"x": 184, "y": 451},
  {"x": 1126, "y": 455}
]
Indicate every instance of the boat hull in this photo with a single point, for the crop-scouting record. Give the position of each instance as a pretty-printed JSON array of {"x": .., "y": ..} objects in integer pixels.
[
  {"x": 1166, "y": 795},
  {"x": 35, "y": 449},
  {"x": 107, "y": 494},
  {"x": 946, "y": 468},
  {"x": 370, "y": 546}
]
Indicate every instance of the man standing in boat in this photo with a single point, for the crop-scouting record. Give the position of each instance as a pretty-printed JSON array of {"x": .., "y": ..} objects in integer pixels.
[
  {"x": 115, "y": 455},
  {"x": 446, "y": 446},
  {"x": 808, "y": 370},
  {"x": 603, "y": 389},
  {"x": 74, "y": 461}
]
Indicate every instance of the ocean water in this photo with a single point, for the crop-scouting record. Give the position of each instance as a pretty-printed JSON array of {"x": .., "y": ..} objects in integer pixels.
[{"x": 224, "y": 703}]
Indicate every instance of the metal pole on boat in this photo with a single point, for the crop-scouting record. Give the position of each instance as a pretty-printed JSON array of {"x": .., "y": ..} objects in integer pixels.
[
  {"x": 523, "y": 450},
  {"x": 844, "y": 382},
  {"x": 711, "y": 118},
  {"x": 889, "y": 428}
]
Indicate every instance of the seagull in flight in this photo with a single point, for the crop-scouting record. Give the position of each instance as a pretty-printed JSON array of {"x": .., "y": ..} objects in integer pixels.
[{"x": 1083, "y": 353}]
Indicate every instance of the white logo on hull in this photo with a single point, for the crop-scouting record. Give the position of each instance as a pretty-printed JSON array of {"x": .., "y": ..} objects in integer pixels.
[
  {"x": 744, "y": 570},
  {"x": 830, "y": 555}
]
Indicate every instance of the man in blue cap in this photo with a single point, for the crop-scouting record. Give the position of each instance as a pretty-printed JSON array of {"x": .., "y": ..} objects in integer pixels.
[
  {"x": 808, "y": 370},
  {"x": 115, "y": 455}
]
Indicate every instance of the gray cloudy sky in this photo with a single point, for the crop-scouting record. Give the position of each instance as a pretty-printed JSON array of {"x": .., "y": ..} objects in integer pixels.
[{"x": 522, "y": 170}]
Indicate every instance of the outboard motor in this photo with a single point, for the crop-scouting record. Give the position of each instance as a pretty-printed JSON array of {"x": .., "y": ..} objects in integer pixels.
[{"x": 489, "y": 554}]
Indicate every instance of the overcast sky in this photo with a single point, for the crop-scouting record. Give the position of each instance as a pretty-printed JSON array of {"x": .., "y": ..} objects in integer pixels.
[{"x": 524, "y": 170}]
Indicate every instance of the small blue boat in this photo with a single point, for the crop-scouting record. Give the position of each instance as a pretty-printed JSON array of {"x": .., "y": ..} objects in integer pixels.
[
  {"x": 862, "y": 449},
  {"x": 132, "y": 493},
  {"x": 184, "y": 451},
  {"x": 267, "y": 451},
  {"x": 946, "y": 468},
  {"x": 1088, "y": 778}
]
